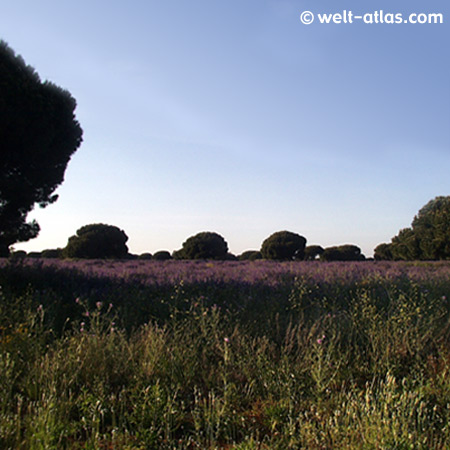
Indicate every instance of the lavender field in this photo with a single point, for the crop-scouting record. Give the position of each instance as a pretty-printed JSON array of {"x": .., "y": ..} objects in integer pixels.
[{"x": 219, "y": 354}]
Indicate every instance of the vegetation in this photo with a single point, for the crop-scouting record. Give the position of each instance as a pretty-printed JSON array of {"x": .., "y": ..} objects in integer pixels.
[
  {"x": 313, "y": 252},
  {"x": 243, "y": 355},
  {"x": 97, "y": 241},
  {"x": 283, "y": 246},
  {"x": 204, "y": 245},
  {"x": 39, "y": 134},
  {"x": 427, "y": 239},
  {"x": 346, "y": 252},
  {"x": 250, "y": 255},
  {"x": 162, "y": 255}
]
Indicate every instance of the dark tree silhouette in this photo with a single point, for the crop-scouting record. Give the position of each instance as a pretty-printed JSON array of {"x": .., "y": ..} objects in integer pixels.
[
  {"x": 383, "y": 252},
  {"x": 97, "y": 241},
  {"x": 312, "y": 252},
  {"x": 428, "y": 238},
  {"x": 283, "y": 245},
  {"x": 38, "y": 135},
  {"x": 250, "y": 255},
  {"x": 204, "y": 245},
  {"x": 162, "y": 255},
  {"x": 347, "y": 252}
]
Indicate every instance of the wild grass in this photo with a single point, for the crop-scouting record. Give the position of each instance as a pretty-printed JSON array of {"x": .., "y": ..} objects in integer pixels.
[{"x": 360, "y": 362}]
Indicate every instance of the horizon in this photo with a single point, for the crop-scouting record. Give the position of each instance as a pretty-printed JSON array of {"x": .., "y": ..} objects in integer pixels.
[{"x": 242, "y": 120}]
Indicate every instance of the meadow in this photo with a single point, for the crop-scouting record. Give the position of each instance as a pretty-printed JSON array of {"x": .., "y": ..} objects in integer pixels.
[{"x": 224, "y": 355}]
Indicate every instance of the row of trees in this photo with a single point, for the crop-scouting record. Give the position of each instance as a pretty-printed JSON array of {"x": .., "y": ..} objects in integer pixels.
[
  {"x": 108, "y": 241},
  {"x": 428, "y": 238},
  {"x": 39, "y": 133}
]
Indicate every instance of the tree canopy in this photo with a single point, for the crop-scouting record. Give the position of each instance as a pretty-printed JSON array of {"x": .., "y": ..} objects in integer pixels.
[
  {"x": 204, "y": 245},
  {"x": 97, "y": 241},
  {"x": 38, "y": 135},
  {"x": 428, "y": 238},
  {"x": 347, "y": 252},
  {"x": 283, "y": 245}
]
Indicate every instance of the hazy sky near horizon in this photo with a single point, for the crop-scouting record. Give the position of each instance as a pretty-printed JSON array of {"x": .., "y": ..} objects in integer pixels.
[{"x": 234, "y": 117}]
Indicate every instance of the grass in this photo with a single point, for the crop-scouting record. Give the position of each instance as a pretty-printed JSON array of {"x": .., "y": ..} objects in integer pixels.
[{"x": 337, "y": 363}]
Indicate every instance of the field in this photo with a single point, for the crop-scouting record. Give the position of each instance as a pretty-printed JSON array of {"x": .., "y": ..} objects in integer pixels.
[{"x": 224, "y": 355}]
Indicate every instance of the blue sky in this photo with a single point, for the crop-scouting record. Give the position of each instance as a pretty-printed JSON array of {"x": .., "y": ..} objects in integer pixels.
[{"x": 232, "y": 116}]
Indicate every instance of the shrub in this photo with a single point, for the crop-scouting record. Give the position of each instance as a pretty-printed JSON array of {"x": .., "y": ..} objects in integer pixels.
[
  {"x": 162, "y": 255},
  {"x": 250, "y": 255},
  {"x": 347, "y": 252},
  {"x": 145, "y": 256},
  {"x": 312, "y": 252}
]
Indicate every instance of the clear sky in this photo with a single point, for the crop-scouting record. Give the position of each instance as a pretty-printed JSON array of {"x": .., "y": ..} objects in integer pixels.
[{"x": 232, "y": 116}]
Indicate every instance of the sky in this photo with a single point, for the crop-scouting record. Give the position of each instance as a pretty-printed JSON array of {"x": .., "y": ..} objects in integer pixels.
[{"x": 235, "y": 117}]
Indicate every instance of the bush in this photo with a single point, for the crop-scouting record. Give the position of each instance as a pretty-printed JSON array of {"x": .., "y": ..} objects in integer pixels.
[
  {"x": 346, "y": 252},
  {"x": 162, "y": 255},
  {"x": 283, "y": 245},
  {"x": 97, "y": 241},
  {"x": 145, "y": 256},
  {"x": 312, "y": 252},
  {"x": 204, "y": 245},
  {"x": 250, "y": 255},
  {"x": 51, "y": 253}
]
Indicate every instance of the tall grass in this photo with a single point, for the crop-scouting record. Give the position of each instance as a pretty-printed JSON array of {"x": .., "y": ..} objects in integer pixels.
[{"x": 339, "y": 363}]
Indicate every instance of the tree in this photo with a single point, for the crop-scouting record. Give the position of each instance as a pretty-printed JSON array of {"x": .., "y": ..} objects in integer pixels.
[
  {"x": 97, "y": 241},
  {"x": 283, "y": 245},
  {"x": 145, "y": 256},
  {"x": 38, "y": 135},
  {"x": 250, "y": 255},
  {"x": 162, "y": 255},
  {"x": 383, "y": 252},
  {"x": 347, "y": 252},
  {"x": 204, "y": 245},
  {"x": 431, "y": 227},
  {"x": 405, "y": 246},
  {"x": 313, "y": 252},
  {"x": 428, "y": 238}
]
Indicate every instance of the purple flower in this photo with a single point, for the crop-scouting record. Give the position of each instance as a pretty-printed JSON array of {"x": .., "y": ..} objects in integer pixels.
[
  {"x": 321, "y": 339},
  {"x": 99, "y": 305}
]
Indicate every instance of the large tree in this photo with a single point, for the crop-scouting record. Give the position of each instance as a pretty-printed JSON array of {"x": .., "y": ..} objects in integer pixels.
[
  {"x": 204, "y": 245},
  {"x": 97, "y": 241},
  {"x": 283, "y": 245},
  {"x": 38, "y": 135},
  {"x": 428, "y": 238}
]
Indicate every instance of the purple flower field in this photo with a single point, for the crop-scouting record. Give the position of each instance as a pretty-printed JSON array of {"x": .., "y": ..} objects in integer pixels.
[
  {"x": 269, "y": 273},
  {"x": 247, "y": 272}
]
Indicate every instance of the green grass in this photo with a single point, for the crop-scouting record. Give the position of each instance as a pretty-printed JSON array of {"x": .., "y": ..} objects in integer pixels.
[{"x": 325, "y": 367}]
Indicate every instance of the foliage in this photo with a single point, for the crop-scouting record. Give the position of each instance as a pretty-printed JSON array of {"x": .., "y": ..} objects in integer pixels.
[
  {"x": 145, "y": 256},
  {"x": 313, "y": 252},
  {"x": 383, "y": 252},
  {"x": 97, "y": 241},
  {"x": 204, "y": 245},
  {"x": 162, "y": 255},
  {"x": 336, "y": 355},
  {"x": 428, "y": 238},
  {"x": 51, "y": 253},
  {"x": 283, "y": 245},
  {"x": 39, "y": 134},
  {"x": 250, "y": 255},
  {"x": 346, "y": 252}
]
